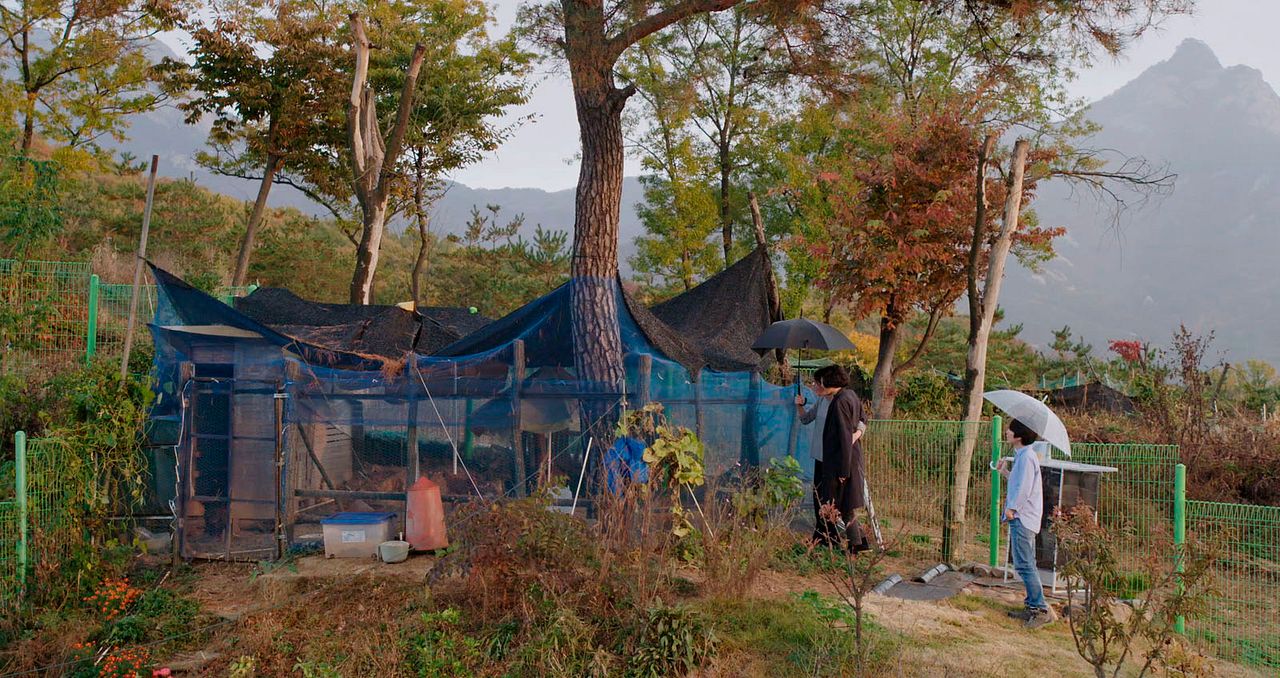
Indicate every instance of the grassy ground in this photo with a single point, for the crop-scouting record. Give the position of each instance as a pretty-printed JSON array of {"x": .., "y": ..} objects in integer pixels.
[
  {"x": 323, "y": 618},
  {"x": 342, "y": 618}
]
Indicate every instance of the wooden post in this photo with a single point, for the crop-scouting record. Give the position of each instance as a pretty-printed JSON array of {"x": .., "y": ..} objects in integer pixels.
[
  {"x": 750, "y": 446},
  {"x": 411, "y": 436},
  {"x": 645, "y": 374},
  {"x": 517, "y": 442},
  {"x": 140, "y": 257},
  {"x": 279, "y": 397},
  {"x": 411, "y": 451},
  {"x": 186, "y": 372},
  {"x": 775, "y": 296},
  {"x": 697, "y": 406}
]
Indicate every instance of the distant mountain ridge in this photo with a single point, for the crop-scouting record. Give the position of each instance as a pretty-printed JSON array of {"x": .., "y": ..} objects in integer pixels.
[
  {"x": 1204, "y": 256},
  {"x": 163, "y": 132}
]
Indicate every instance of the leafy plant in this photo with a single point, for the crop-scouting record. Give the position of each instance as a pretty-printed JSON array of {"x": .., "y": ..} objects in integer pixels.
[
  {"x": 674, "y": 456},
  {"x": 441, "y": 648},
  {"x": 244, "y": 666},
  {"x": 673, "y": 642},
  {"x": 1108, "y": 633},
  {"x": 310, "y": 669}
]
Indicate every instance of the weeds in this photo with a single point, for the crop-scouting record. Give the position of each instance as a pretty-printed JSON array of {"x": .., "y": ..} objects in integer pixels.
[
  {"x": 860, "y": 572},
  {"x": 1107, "y": 632},
  {"x": 673, "y": 642}
]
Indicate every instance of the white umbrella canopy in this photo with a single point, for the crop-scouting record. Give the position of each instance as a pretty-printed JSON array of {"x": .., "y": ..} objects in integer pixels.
[{"x": 1035, "y": 414}]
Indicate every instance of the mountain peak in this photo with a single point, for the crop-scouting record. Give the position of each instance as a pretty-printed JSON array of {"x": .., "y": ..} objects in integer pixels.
[{"x": 1194, "y": 55}]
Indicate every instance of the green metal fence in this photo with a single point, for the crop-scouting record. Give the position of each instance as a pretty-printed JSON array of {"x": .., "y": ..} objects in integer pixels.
[
  {"x": 1242, "y": 623},
  {"x": 44, "y": 522},
  {"x": 909, "y": 470},
  {"x": 44, "y": 314},
  {"x": 56, "y": 482},
  {"x": 10, "y": 571},
  {"x": 910, "y": 463},
  {"x": 57, "y": 313},
  {"x": 908, "y": 467}
]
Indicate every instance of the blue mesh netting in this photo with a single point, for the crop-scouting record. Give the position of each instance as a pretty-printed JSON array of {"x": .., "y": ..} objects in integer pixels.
[{"x": 355, "y": 429}]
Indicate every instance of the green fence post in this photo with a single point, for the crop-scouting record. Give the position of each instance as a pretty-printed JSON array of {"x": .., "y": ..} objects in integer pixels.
[
  {"x": 1179, "y": 529},
  {"x": 997, "y": 428},
  {"x": 20, "y": 492},
  {"x": 91, "y": 338}
]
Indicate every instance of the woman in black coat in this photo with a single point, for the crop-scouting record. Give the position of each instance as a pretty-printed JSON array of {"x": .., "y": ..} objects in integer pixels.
[{"x": 838, "y": 470}]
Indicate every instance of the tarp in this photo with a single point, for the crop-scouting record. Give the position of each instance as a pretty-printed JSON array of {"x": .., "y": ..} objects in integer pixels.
[{"x": 384, "y": 331}]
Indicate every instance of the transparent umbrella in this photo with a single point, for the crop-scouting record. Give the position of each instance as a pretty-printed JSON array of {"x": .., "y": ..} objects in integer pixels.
[{"x": 1035, "y": 414}]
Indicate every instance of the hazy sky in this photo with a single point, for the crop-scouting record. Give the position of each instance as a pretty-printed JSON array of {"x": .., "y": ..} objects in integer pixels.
[{"x": 541, "y": 154}]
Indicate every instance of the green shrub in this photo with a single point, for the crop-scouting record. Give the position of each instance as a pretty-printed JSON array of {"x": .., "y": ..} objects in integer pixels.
[
  {"x": 441, "y": 649},
  {"x": 927, "y": 395},
  {"x": 673, "y": 642}
]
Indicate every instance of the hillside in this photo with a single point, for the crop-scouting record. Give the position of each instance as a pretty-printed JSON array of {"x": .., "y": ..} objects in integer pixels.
[
  {"x": 1204, "y": 254},
  {"x": 1217, "y": 128}
]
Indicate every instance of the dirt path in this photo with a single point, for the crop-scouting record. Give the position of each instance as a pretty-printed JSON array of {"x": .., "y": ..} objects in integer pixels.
[{"x": 969, "y": 634}]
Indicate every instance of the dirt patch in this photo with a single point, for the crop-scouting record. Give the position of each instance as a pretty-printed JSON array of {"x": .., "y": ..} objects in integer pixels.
[{"x": 350, "y": 608}]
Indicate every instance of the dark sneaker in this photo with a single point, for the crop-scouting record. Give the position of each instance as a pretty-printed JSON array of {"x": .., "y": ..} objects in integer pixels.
[
  {"x": 1021, "y": 615},
  {"x": 1041, "y": 618}
]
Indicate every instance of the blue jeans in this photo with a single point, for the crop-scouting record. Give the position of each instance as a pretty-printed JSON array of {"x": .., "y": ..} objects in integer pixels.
[{"x": 1023, "y": 545}]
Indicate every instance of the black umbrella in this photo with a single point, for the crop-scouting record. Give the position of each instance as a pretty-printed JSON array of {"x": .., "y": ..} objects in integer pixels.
[{"x": 802, "y": 333}]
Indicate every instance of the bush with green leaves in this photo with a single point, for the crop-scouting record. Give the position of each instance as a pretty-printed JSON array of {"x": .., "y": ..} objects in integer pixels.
[
  {"x": 441, "y": 648},
  {"x": 672, "y": 642},
  {"x": 926, "y": 394}
]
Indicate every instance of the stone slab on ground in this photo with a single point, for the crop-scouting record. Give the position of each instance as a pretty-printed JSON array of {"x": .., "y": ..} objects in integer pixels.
[{"x": 941, "y": 587}]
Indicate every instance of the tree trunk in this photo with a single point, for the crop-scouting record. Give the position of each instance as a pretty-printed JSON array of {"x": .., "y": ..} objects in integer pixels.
[
  {"x": 373, "y": 157},
  {"x": 374, "y": 223},
  {"x": 420, "y": 263},
  {"x": 982, "y": 312},
  {"x": 28, "y": 124},
  {"x": 423, "y": 220},
  {"x": 726, "y": 216},
  {"x": 255, "y": 220},
  {"x": 882, "y": 388},
  {"x": 774, "y": 294},
  {"x": 597, "y": 343}
]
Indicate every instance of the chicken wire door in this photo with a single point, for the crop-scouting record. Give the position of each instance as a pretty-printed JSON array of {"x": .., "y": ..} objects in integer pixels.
[{"x": 230, "y": 495}]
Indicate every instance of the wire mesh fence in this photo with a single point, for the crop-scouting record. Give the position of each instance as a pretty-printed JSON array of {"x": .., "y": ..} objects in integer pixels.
[
  {"x": 113, "y": 316},
  {"x": 910, "y": 466},
  {"x": 1241, "y": 622},
  {"x": 10, "y": 574},
  {"x": 57, "y": 479},
  {"x": 45, "y": 317},
  {"x": 45, "y": 312},
  {"x": 1136, "y": 501}
]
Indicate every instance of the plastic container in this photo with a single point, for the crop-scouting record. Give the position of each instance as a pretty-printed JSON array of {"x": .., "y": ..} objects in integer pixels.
[
  {"x": 355, "y": 535},
  {"x": 394, "y": 551},
  {"x": 424, "y": 520}
]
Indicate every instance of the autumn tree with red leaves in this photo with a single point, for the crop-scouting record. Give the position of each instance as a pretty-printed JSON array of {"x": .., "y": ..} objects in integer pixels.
[{"x": 900, "y": 226}]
